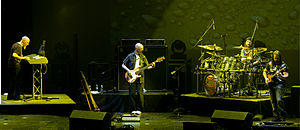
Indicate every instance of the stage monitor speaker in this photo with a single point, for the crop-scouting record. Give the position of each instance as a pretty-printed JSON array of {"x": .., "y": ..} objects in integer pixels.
[
  {"x": 295, "y": 99},
  {"x": 232, "y": 119},
  {"x": 89, "y": 120},
  {"x": 156, "y": 78},
  {"x": 159, "y": 42}
]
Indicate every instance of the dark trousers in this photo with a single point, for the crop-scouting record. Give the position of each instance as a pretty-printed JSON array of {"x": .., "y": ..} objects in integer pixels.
[
  {"x": 14, "y": 82},
  {"x": 276, "y": 95},
  {"x": 136, "y": 97}
]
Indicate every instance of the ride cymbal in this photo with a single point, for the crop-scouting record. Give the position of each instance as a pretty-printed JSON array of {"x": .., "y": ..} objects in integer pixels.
[{"x": 211, "y": 47}]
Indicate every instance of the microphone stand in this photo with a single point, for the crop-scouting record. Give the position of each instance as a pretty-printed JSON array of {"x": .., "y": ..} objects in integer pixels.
[
  {"x": 201, "y": 38},
  {"x": 225, "y": 46}
]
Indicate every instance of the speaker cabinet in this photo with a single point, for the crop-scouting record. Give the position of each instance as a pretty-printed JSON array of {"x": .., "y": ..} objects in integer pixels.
[
  {"x": 156, "y": 78},
  {"x": 89, "y": 120},
  {"x": 101, "y": 74},
  {"x": 232, "y": 119},
  {"x": 129, "y": 42},
  {"x": 295, "y": 99},
  {"x": 123, "y": 51},
  {"x": 155, "y": 42}
]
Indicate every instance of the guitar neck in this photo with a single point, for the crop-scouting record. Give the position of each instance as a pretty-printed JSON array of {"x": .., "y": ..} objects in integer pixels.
[
  {"x": 277, "y": 72},
  {"x": 142, "y": 69}
]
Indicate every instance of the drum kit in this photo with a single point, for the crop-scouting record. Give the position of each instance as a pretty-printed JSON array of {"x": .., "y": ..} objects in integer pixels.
[{"x": 220, "y": 74}]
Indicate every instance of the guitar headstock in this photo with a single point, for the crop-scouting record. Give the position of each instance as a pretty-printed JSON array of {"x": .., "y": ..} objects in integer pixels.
[{"x": 160, "y": 59}]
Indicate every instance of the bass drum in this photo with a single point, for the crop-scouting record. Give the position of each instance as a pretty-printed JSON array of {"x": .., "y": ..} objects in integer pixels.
[{"x": 211, "y": 84}]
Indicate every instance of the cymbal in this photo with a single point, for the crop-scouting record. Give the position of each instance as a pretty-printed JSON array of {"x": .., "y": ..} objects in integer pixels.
[
  {"x": 241, "y": 47},
  {"x": 237, "y": 55},
  {"x": 211, "y": 47},
  {"x": 260, "y": 50},
  {"x": 270, "y": 52},
  {"x": 214, "y": 54}
]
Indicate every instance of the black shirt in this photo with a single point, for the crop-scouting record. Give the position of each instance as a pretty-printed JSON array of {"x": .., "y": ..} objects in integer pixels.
[{"x": 13, "y": 61}]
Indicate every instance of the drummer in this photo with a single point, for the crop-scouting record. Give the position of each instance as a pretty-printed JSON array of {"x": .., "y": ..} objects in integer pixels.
[
  {"x": 248, "y": 54},
  {"x": 250, "y": 59}
]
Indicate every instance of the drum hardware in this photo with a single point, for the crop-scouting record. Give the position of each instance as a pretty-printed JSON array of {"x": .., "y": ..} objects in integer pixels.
[
  {"x": 221, "y": 74},
  {"x": 212, "y": 24},
  {"x": 214, "y": 54}
]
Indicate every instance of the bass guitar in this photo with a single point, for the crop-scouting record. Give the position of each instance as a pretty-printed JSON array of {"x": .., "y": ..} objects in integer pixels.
[
  {"x": 134, "y": 74},
  {"x": 271, "y": 76}
]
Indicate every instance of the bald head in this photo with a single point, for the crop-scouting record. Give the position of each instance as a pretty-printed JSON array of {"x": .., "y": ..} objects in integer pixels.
[
  {"x": 139, "y": 48},
  {"x": 25, "y": 41}
]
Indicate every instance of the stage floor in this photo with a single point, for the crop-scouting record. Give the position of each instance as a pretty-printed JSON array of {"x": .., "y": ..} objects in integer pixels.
[{"x": 149, "y": 121}]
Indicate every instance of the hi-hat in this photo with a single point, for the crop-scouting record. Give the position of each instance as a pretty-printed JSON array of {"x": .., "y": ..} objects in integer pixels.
[{"x": 211, "y": 47}]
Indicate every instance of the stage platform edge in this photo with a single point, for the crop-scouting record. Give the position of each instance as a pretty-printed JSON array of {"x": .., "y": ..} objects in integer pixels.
[{"x": 57, "y": 104}]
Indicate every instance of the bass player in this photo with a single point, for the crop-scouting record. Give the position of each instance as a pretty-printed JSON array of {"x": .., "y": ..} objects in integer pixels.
[
  {"x": 275, "y": 74},
  {"x": 131, "y": 63}
]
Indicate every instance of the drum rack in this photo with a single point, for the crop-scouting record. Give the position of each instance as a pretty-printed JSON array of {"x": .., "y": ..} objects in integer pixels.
[
  {"x": 227, "y": 70},
  {"x": 201, "y": 72}
]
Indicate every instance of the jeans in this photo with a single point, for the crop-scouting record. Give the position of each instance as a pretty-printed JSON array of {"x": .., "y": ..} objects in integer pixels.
[
  {"x": 136, "y": 97},
  {"x": 276, "y": 94}
]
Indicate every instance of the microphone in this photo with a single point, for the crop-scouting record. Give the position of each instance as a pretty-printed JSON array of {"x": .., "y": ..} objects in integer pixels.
[{"x": 214, "y": 26}]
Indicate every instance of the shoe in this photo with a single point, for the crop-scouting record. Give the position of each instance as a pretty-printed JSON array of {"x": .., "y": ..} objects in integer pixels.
[{"x": 136, "y": 112}]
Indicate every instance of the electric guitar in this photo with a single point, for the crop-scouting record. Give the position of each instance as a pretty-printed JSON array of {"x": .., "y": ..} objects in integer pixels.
[
  {"x": 134, "y": 74},
  {"x": 271, "y": 76}
]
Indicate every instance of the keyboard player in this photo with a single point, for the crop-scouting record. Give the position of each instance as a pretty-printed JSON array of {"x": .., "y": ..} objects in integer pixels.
[{"x": 14, "y": 66}]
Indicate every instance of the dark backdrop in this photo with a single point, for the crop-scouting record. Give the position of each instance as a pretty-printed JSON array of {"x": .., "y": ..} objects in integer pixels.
[{"x": 99, "y": 26}]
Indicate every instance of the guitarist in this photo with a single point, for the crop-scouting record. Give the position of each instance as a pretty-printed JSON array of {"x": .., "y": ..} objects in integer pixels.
[
  {"x": 278, "y": 69},
  {"x": 132, "y": 62}
]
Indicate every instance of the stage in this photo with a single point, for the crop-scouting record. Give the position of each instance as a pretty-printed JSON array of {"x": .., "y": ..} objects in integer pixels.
[
  {"x": 57, "y": 104},
  {"x": 149, "y": 121},
  {"x": 163, "y": 110}
]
